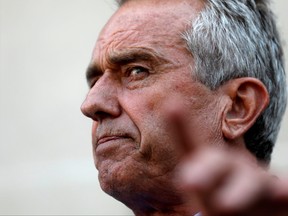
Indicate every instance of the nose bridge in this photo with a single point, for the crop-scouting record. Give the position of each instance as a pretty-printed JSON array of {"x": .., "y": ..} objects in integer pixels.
[{"x": 102, "y": 99}]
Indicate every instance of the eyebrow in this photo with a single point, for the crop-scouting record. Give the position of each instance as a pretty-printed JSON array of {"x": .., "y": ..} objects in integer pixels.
[
  {"x": 130, "y": 55},
  {"x": 126, "y": 56}
]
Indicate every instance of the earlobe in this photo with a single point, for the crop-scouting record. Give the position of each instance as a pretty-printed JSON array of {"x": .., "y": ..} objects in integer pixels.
[{"x": 247, "y": 99}]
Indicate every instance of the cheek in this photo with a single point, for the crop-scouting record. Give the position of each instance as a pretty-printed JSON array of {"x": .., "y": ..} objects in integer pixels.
[
  {"x": 140, "y": 105},
  {"x": 145, "y": 108},
  {"x": 150, "y": 114}
]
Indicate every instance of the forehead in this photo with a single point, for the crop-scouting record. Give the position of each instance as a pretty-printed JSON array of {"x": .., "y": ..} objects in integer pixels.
[{"x": 144, "y": 23}]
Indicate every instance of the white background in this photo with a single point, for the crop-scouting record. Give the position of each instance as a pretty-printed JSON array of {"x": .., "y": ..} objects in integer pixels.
[{"x": 46, "y": 164}]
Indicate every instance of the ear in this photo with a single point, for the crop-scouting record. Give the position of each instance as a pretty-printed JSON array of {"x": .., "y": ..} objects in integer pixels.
[{"x": 247, "y": 99}]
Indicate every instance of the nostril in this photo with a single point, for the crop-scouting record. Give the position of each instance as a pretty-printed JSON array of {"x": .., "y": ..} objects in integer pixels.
[
  {"x": 91, "y": 112},
  {"x": 99, "y": 115}
]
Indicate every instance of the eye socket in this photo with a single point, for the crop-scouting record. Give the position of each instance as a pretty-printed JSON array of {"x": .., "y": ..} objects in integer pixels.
[{"x": 137, "y": 73}]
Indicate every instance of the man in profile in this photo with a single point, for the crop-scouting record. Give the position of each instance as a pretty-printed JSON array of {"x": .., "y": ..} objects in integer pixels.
[{"x": 186, "y": 98}]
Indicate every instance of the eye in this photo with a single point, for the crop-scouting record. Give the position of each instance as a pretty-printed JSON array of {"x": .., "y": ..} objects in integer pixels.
[{"x": 137, "y": 73}]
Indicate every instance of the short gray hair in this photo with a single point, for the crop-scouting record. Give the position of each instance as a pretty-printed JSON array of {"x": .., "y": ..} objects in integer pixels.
[{"x": 238, "y": 38}]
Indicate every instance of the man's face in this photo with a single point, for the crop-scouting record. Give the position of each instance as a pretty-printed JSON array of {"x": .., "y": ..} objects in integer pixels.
[{"x": 140, "y": 68}]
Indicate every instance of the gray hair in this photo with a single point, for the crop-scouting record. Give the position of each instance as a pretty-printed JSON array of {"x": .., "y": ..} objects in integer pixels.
[{"x": 238, "y": 38}]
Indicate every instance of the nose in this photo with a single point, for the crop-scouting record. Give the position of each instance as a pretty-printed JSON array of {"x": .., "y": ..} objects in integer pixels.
[{"x": 102, "y": 100}]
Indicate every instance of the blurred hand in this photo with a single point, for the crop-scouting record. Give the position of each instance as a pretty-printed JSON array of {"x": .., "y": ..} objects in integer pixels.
[{"x": 224, "y": 181}]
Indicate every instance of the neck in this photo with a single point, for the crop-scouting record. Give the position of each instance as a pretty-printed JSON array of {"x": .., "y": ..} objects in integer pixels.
[
  {"x": 186, "y": 211},
  {"x": 180, "y": 207}
]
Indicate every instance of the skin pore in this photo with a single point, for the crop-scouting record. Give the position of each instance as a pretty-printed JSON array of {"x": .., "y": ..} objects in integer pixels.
[{"x": 140, "y": 77}]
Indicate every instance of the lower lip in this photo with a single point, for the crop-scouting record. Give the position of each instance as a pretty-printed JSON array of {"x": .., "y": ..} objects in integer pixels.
[
  {"x": 108, "y": 139},
  {"x": 109, "y": 144}
]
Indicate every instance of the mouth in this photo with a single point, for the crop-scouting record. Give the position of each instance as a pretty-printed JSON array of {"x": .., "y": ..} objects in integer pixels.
[{"x": 106, "y": 139}]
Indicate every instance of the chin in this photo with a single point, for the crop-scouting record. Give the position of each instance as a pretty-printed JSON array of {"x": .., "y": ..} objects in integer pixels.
[
  {"x": 136, "y": 186},
  {"x": 122, "y": 183},
  {"x": 118, "y": 177}
]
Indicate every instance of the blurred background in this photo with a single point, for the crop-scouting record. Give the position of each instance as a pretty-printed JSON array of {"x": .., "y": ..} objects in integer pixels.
[{"x": 46, "y": 164}]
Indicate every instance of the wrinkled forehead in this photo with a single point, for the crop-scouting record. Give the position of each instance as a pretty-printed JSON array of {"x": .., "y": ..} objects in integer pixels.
[
  {"x": 152, "y": 18},
  {"x": 156, "y": 25}
]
